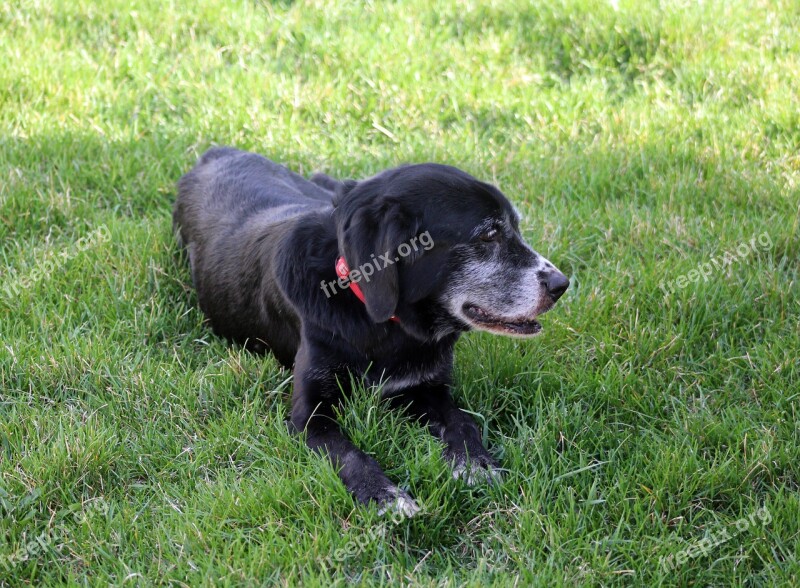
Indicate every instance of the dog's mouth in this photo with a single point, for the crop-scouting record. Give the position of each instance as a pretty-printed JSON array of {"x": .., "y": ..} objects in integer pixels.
[{"x": 522, "y": 327}]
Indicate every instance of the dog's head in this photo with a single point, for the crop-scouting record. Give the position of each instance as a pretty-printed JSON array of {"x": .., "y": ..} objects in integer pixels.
[{"x": 434, "y": 233}]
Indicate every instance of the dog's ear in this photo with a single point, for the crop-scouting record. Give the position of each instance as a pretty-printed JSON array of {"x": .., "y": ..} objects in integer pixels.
[
  {"x": 342, "y": 190},
  {"x": 370, "y": 228}
]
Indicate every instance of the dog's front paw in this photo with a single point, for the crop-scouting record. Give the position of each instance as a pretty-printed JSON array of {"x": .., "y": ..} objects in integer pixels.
[
  {"x": 476, "y": 470},
  {"x": 399, "y": 502}
]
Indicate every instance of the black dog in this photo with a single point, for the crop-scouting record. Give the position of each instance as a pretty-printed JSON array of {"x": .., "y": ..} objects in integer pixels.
[{"x": 373, "y": 279}]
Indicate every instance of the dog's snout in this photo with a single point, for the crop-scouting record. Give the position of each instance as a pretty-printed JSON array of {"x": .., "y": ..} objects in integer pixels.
[{"x": 556, "y": 284}]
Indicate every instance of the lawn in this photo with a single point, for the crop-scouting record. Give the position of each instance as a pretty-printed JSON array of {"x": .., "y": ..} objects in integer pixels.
[{"x": 650, "y": 434}]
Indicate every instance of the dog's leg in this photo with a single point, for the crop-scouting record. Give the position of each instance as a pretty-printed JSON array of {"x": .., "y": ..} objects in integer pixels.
[
  {"x": 316, "y": 392},
  {"x": 434, "y": 406}
]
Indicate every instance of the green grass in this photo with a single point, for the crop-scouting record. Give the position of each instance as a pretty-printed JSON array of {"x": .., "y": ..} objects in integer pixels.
[{"x": 639, "y": 142}]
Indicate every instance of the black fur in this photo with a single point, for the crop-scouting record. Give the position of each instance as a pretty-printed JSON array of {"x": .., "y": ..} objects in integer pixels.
[{"x": 262, "y": 241}]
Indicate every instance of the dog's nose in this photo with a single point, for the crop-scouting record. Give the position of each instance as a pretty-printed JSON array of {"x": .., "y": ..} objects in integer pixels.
[{"x": 556, "y": 284}]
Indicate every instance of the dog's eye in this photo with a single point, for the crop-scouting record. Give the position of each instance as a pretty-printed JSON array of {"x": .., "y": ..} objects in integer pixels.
[{"x": 490, "y": 235}]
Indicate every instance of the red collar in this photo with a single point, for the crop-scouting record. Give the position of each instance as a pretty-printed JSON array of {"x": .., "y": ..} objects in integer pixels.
[{"x": 343, "y": 271}]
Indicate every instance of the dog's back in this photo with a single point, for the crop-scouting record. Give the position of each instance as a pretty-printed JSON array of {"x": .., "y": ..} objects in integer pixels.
[
  {"x": 233, "y": 209},
  {"x": 228, "y": 187}
]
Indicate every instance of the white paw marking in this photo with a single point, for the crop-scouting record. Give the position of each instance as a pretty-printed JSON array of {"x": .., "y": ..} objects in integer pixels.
[
  {"x": 402, "y": 504},
  {"x": 474, "y": 473}
]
